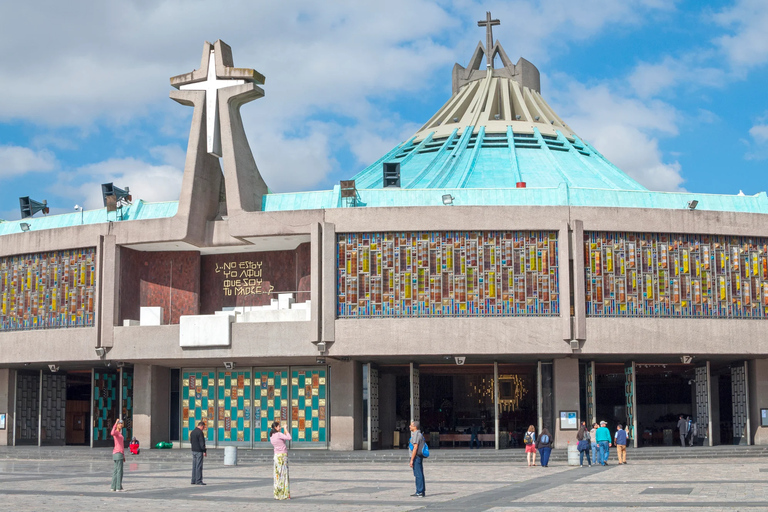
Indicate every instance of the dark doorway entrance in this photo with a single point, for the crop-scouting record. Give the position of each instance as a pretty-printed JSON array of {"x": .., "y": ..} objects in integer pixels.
[
  {"x": 78, "y": 408},
  {"x": 664, "y": 392},
  {"x": 454, "y": 399}
]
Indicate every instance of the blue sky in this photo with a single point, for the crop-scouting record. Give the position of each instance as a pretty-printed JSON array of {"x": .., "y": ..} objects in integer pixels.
[{"x": 673, "y": 92}]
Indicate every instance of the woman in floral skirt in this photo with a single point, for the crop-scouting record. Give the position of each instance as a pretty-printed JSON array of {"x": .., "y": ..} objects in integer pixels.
[{"x": 278, "y": 439}]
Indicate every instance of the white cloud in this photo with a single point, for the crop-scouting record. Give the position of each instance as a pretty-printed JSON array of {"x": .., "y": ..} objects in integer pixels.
[
  {"x": 146, "y": 181},
  {"x": 15, "y": 160},
  {"x": 747, "y": 47},
  {"x": 625, "y": 130},
  {"x": 759, "y": 132}
]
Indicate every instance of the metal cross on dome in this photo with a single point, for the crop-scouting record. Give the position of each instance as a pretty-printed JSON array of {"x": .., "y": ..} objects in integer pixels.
[
  {"x": 211, "y": 85},
  {"x": 488, "y": 23}
]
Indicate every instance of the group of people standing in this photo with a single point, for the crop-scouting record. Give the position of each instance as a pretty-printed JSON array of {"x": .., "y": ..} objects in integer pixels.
[
  {"x": 282, "y": 487},
  {"x": 595, "y": 443},
  {"x": 542, "y": 445}
]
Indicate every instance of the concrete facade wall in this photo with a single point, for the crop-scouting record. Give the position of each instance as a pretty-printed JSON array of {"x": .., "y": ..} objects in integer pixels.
[
  {"x": 130, "y": 279},
  {"x": 566, "y": 390},
  {"x": 7, "y": 398},
  {"x": 151, "y": 403}
]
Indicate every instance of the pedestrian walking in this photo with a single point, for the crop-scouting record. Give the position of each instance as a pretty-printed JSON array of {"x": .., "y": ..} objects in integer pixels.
[
  {"x": 282, "y": 482},
  {"x": 582, "y": 436},
  {"x": 593, "y": 443},
  {"x": 529, "y": 440},
  {"x": 620, "y": 439},
  {"x": 118, "y": 456},
  {"x": 474, "y": 431},
  {"x": 694, "y": 432},
  {"x": 197, "y": 442},
  {"x": 682, "y": 429},
  {"x": 417, "y": 460},
  {"x": 603, "y": 436},
  {"x": 544, "y": 445}
]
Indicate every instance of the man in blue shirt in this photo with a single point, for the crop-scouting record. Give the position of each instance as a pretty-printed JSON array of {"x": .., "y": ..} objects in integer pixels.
[
  {"x": 621, "y": 444},
  {"x": 603, "y": 437}
]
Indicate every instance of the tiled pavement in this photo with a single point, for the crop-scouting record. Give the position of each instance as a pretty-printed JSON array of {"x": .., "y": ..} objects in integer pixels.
[{"x": 675, "y": 485}]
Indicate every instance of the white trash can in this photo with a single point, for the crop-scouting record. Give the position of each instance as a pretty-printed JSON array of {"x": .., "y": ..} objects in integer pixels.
[
  {"x": 573, "y": 455},
  {"x": 230, "y": 455}
]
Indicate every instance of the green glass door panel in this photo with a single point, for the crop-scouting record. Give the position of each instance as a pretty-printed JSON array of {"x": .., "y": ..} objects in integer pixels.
[
  {"x": 270, "y": 401},
  {"x": 198, "y": 402},
  {"x": 234, "y": 407}
]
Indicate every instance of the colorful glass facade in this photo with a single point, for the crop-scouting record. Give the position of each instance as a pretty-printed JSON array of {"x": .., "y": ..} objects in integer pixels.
[
  {"x": 239, "y": 410},
  {"x": 270, "y": 400},
  {"x": 198, "y": 399},
  {"x": 47, "y": 290},
  {"x": 447, "y": 274},
  {"x": 106, "y": 405},
  {"x": 309, "y": 405},
  {"x": 127, "y": 413},
  {"x": 672, "y": 275},
  {"x": 234, "y": 407}
]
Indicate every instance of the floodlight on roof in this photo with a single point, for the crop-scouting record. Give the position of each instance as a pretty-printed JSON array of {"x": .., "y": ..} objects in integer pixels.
[
  {"x": 29, "y": 207},
  {"x": 497, "y": 117},
  {"x": 518, "y": 117},
  {"x": 448, "y": 199},
  {"x": 24, "y": 226},
  {"x": 536, "y": 118},
  {"x": 692, "y": 204},
  {"x": 121, "y": 196}
]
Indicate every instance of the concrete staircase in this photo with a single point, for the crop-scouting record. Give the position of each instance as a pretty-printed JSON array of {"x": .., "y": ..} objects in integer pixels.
[{"x": 444, "y": 455}]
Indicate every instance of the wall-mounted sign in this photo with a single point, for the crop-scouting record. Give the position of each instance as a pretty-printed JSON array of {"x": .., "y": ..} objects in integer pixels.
[
  {"x": 569, "y": 420},
  {"x": 764, "y": 417},
  {"x": 2, "y": 421}
]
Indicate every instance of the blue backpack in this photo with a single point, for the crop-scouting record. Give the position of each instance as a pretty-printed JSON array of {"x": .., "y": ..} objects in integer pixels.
[
  {"x": 545, "y": 439},
  {"x": 424, "y": 451}
]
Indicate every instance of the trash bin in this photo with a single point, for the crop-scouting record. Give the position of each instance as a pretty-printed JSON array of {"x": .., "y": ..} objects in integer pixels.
[
  {"x": 573, "y": 455},
  {"x": 230, "y": 455}
]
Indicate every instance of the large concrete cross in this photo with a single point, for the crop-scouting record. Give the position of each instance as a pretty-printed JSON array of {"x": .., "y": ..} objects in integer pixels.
[
  {"x": 488, "y": 24},
  {"x": 211, "y": 85}
]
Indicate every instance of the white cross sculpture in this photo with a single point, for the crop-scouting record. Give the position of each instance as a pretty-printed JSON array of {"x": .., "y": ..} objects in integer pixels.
[{"x": 211, "y": 85}]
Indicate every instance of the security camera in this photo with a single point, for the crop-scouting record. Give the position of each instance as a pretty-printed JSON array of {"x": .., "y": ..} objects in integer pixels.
[
  {"x": 120, "y": 364},
  {"x": 460, "y": 360},
  {"x": 53, "y": 368},
  {"x": 320, "y": 360},
  {"x": 77, "y": 207},
  {"x": 101, "y": 351},
  {"x": 229, "y": 365}
]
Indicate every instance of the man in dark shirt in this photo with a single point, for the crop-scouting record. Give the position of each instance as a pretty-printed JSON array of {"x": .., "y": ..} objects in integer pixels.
[{"x": 197, "y": 441}]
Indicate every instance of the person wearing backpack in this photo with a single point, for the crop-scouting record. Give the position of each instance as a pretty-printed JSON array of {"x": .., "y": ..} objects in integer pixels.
[
  {"x": 529, "y": 440},
  {"x": 417, "y": 459},
  {"x": 582, "y": 436},
  {"x": 544, "y": 445},
  {"x": 593, "y": 443}
]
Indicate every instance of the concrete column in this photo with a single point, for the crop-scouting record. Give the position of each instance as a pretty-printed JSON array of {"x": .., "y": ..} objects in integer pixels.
[
  {"x": 107, "y": 286},
  {"x": 7, "y": 399},
  {"x": 566, "y": 391},
  {"x": 151, "y": 403},
  {"x": 757, "y": 379},
  {"x": 346, "y": 405},
  {"x": 564, "y": 267},
  {"x": 579, "y": 287},
  {"x": 328, "y": 293},
  {"x": 316, "y": 262}
]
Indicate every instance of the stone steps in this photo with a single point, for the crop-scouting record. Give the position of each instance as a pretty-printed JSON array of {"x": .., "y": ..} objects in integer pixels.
[{"x": 245, "y": 456}]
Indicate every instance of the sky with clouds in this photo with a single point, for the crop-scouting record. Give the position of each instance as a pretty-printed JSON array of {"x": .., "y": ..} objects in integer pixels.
[{"x": 671, "y": 91}]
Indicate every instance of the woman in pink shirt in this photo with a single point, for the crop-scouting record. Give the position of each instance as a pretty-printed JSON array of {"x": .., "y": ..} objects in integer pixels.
[
  {"x": 118, "y": 455},
  {"x": 278, "y": 439}
]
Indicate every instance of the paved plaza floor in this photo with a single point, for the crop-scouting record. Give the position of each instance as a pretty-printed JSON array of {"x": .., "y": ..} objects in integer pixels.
[{"x": 675, "y": 485}]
